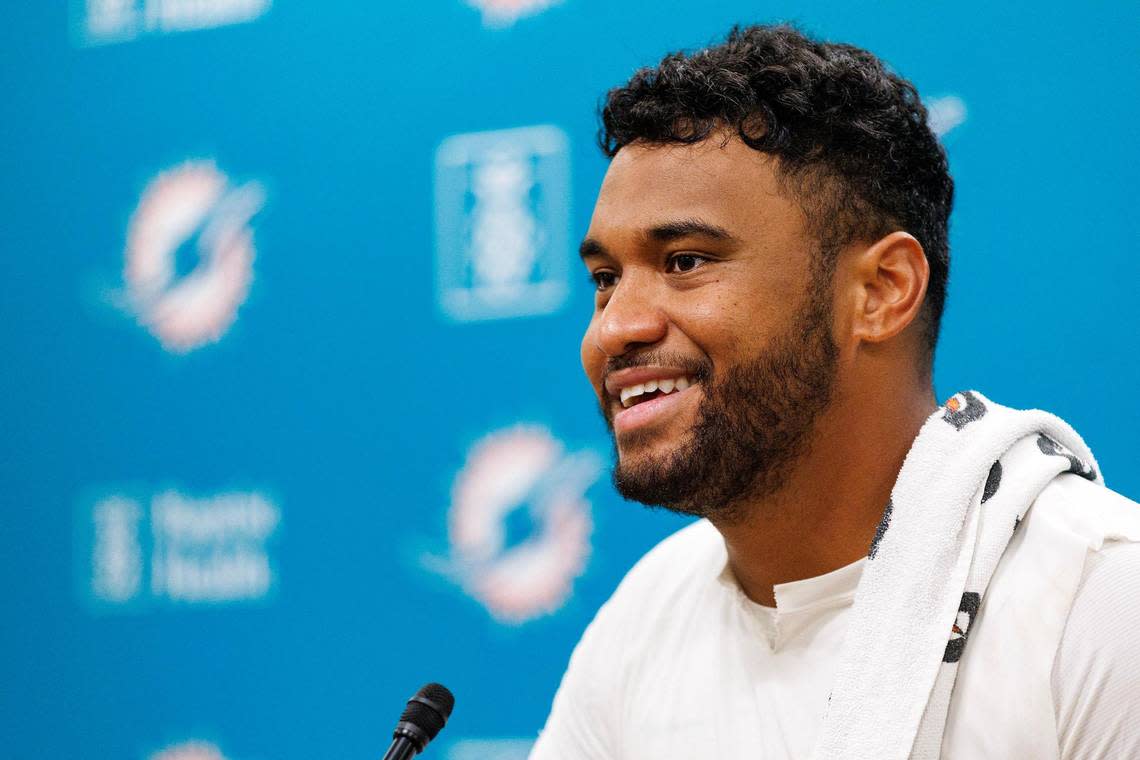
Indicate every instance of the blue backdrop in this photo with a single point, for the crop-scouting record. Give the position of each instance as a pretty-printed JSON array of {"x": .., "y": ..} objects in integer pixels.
[{"x": 292, "y": 414}]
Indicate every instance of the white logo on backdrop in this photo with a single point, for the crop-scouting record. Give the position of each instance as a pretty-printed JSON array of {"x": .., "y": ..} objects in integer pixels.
[
  {"x": 180, "y": 549},
  {"x": 499, "y": 13},
  {"x": 502, "y": 223},
  {"x": 103, "y": 21},
  {"x": 945, "y": 113},
  {"x": 520, "y": 480},
  {"x": 117, "y": 555},
  {"x": 490, "y": 749},
  {"x": 192, "y": 750},
  {"x": 192, "y": 202}
]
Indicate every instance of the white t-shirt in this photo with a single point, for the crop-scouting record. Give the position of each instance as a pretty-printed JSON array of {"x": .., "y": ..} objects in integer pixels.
[{"x": 680, "y": 665}]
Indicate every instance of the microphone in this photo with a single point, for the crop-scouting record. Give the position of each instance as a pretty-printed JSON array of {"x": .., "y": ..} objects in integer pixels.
[{"x": 423, "y": 718}]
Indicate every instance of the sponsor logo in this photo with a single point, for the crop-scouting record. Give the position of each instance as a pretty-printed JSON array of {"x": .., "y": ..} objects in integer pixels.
[
  {"x": 176, "y": 549},
  {"x": 500, "y": 13},
  {"x": 490, "y": 749},
  {"x": 192, "y": 750},
  {"x": 519, "y": 523},
  {"x": 117, "y": 555},
  {"x": 944, "y": 114},
  {"x": 195, "y": 205},
  {"x": 98, "y": 22},
  {"x": 502, "y": 223}
]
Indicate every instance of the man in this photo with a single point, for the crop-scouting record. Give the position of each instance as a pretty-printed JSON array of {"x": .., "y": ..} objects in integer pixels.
[{"x": 770, "y": 252}]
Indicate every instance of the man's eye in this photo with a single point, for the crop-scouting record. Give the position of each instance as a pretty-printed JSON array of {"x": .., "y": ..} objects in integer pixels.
[
  {"x": 685, "y": 262},
  {"x": 603, "y": 279}
]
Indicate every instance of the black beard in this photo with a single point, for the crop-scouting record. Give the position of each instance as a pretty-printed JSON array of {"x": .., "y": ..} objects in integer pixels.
[{"x": 752, "y": 425}]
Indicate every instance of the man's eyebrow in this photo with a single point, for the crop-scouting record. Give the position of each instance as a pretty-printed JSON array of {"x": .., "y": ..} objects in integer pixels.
[
  {"x": 693, "y": 226},
  {"x": 664, "y": 233},
  {"x": 591, "y": 248}
]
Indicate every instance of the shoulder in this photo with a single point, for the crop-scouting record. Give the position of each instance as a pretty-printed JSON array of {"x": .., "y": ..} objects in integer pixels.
[
  {"x": 1096, "y": 668},
  {"x": 1089, "y": 510},
  {"x": 1043, "y": 630},
  {"x": 674, "y": 575},
  {"x": 1096, "y": 671},
  {"x": 694, "y": 553}
]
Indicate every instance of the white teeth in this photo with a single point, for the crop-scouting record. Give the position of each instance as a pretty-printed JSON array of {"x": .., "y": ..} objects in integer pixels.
[
  {"x": 666, "y": 385},
  {"x": 630, "y": 392}
]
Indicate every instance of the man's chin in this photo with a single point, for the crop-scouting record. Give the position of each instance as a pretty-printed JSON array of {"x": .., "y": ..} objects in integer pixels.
[
  {"x": 655, "y": 492},
  {"x": 648, "y": 448},
  {"x": 655, "y": 474}
]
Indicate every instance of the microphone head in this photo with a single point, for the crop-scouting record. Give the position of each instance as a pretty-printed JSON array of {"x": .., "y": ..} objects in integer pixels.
[
  {"x": 438, "y": 696},
  {"x": 427, "y": 711}
]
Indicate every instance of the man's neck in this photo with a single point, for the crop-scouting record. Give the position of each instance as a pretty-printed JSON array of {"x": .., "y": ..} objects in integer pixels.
[{"x": 825, "y": 515}]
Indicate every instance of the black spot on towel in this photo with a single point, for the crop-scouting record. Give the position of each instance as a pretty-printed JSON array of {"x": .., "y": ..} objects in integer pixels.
[
  {"x": 881, "y": 530},
  {"x": 993, "y": 480}
]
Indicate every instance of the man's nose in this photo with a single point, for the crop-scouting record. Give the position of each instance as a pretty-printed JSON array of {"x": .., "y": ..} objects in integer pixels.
[{"x": 632, "y": 318}]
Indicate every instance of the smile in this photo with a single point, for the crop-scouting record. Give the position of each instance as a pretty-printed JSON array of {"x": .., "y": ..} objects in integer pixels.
[
  {"x": 648, "y": 396},
  {"x": 649, "y": 390}
]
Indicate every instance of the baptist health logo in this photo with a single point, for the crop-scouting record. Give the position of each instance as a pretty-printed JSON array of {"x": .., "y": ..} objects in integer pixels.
[
  {"x": 174, "y": 548},
  {"x": 519, "y": 523},
  {"x": 103, "y": 21},
  {"x": 502, "y": 223},
  {"x": 192, "y": 204}
]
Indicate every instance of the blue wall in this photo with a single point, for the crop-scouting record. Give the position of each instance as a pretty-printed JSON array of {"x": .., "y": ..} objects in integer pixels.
[{"x": 298, "y": 471}]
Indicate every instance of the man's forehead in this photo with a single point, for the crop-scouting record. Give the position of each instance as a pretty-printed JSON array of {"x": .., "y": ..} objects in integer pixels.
[
  {"x": 714, "y": 160},
  {"x": 723, "y": 183}
]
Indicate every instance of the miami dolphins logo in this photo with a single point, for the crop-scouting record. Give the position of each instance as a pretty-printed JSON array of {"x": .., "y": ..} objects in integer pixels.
[
  {"x": 967, "y": 610},
  {"x": 519, "y": 523},
  {"x": 191, "y": 204},
  {"x": 1077, "y": 466},
  {"x": 962, "y": 409}
]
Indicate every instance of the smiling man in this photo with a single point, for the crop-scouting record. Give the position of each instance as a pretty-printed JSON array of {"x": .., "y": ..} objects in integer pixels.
[{"x": 770, "y": 252}]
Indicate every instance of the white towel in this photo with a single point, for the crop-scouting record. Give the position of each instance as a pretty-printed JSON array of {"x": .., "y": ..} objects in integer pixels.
[{"x": 971, "y": 475}]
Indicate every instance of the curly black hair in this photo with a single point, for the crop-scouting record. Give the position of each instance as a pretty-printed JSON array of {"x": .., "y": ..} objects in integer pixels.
[{"x": 850, "y": 136}]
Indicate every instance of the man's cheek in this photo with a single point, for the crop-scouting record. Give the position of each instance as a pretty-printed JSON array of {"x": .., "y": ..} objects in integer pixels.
[{"x": 592, "y": 361}]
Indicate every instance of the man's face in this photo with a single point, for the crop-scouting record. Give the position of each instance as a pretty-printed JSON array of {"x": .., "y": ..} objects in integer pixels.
[{"x": 710, "y": 346}]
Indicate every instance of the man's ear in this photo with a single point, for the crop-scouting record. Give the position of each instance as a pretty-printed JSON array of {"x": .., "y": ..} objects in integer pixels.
[{"x": 889, "y": 280}]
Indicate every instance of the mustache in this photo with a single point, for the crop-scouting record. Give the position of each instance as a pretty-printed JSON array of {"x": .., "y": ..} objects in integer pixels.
[{"x": 695, "y": 368}]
